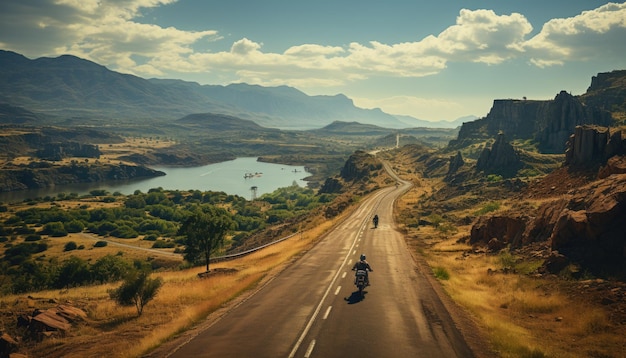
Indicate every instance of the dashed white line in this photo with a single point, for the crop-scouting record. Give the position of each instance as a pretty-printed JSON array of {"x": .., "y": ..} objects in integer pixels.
[
  {"x": 337, "y": 290},
  {"x": 327, "y": 312},
  {"x": 344, "y": 275},
  {"x": 310, "y": 349}
]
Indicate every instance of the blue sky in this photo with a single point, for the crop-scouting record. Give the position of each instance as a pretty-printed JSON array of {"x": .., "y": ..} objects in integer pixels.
[{"x": 435, "y": 60}]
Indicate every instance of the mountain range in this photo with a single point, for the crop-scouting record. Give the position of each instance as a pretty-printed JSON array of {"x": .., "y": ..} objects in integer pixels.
[{"x": 70, "y": 88}]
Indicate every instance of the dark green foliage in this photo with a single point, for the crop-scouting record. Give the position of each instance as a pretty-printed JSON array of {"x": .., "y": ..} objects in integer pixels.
[
  {"x": 135, "y": 202},
  {"x": 70, "y": 246},
  {"x": 74, "y": 226},
  {"x": 110, "y": 268},
  {"x": 73, "y": 272},
  {"x": 137, "y": 290},
  {"x": 163, "y": 222},
  {"x": 205, "y": 231},
  {"x": 19, "y": 253},
  {"x": 163, "y": 244},
  {"x": 32, "y": 237},
  {"x": 54, "y": 228},
  {"x": 124, "y": 232}
]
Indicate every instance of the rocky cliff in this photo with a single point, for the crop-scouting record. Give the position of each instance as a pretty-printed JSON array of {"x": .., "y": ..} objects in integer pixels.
[
  {"x": 592, "y": 146},
  {"x": 549, "y": 123}
]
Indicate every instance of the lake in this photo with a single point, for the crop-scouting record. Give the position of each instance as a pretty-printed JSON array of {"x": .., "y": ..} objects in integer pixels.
[{"x": 236, "y": 177}]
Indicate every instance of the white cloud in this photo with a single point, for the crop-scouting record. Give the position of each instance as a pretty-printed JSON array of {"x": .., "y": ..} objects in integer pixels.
[
  {"x": 592, "y": 34},
  {"x": 107, "y": 32}
]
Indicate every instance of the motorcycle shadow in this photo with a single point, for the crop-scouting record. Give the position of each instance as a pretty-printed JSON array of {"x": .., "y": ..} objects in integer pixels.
[{"x": 355, "y": 297}]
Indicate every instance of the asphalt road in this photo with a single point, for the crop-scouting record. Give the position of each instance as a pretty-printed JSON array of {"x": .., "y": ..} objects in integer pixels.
[{"x": 312, "y": 309}]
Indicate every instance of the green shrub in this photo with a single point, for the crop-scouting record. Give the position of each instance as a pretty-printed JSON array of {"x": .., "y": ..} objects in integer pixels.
[
  {"x": 487, "y": 208},
  {"x": 31, "y": 238},
  {"x": 70, "y": 246},
  {"x": 137, "y": 290},
  {"x": 441, "y": 273},
  {"x": 100, "y": 243},
  {"x": 162, "y": 244}
]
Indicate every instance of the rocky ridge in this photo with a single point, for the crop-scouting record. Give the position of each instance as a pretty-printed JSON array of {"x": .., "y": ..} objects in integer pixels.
[{"x": 583, "y": 225}]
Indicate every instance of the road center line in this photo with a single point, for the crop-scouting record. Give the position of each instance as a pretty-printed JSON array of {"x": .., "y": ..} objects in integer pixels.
[
  {"x": 327, "y": 312},
  {"x": 319, "y": 306},
  {"x": 337, "y": 290},
  {"x": 310, "y": 349}
]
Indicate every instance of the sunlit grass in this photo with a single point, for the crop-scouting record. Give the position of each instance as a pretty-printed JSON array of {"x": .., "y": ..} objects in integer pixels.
[
  {"x": 183, "y": 301},
  {"x": 522, "y": 316}
]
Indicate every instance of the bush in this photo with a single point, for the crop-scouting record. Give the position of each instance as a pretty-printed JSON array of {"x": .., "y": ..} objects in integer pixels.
[
  {"x": 54, "y": 228},
  {"x": 100, "y": 244},
  {"x": 441, "y": 273},
  {"x": 162, "y": 244},
  {"x": 487, "y": 208},
  {"x": 74, "y": 226},
  {"x": 70, "y": 246},
  {"x": 31, "y": 238},
  {"x": 138, "y": 289}
]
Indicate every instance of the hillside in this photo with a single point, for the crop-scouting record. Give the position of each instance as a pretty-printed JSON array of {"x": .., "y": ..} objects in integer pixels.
[{"x": 68, "y": 87}]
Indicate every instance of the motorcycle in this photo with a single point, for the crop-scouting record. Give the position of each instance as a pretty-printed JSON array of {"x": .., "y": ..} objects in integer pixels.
[
  {"x": 361, "y": 280},
  {"x": 375, "y": 220}
]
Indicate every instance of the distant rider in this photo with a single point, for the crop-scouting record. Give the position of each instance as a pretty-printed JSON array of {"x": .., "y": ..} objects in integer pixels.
[
  {"x": 375, "y": 220},
  {"x": 365, "y": 266}
]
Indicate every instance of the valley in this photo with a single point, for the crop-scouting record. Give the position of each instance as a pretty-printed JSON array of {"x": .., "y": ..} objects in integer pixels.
[{"x": 515, "y": 219}]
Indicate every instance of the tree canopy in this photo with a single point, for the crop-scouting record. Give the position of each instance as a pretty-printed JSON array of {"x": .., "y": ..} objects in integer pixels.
[{"x": 205, "y": 231}]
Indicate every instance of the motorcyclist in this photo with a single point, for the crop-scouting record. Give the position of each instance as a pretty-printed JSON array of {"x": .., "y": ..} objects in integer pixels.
[
  {"x": 363, "y": 265},
  {"x": 375, "y": 220}
]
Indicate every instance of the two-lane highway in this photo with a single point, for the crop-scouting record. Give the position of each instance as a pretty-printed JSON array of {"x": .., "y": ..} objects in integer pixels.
[{"x": 312, "y": 309}]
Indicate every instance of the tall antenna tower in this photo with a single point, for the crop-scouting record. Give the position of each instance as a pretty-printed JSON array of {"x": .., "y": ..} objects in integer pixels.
[{"x": 253, "y": 190}]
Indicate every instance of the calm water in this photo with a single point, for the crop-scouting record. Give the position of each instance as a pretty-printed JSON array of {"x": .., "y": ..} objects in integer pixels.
[{"x": 229, "y": 177}]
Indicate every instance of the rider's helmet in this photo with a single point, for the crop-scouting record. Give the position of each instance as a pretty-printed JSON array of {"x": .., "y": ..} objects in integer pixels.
[{"x": 362, "y": 257}]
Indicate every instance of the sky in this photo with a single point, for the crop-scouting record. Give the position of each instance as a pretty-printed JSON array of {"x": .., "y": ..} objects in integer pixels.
[{"x": 433, "y": 60}]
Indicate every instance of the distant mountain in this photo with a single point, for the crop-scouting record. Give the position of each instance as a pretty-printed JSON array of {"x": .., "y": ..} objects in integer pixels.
[
  {"x": 68, "y": 87},
  {"x": 352, "y": 128},
  {"x": 412, "y": 122}
]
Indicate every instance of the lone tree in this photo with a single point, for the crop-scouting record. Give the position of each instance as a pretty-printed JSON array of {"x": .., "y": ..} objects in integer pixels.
[
  {"x": 205, "y": 231},
  {"x": 137, "y": 289}
]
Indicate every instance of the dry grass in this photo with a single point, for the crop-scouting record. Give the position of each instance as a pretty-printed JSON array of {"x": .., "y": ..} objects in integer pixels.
[
  {"x": 183, "y": 301},
  {"x": 521, "y": 316}
]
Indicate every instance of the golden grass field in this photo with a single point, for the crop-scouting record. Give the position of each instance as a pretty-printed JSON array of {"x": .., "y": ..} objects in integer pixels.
[{"x": 521, "y": 316}]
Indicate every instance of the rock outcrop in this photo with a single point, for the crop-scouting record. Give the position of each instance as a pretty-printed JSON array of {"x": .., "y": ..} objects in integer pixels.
[
  {"x": 501, "y": 158},
  {"x": 592, "y": 146},
  {"x": 587, "y": 226},
  {"x": 550, "y": 123},
  {"x": 456, "y": 162}
]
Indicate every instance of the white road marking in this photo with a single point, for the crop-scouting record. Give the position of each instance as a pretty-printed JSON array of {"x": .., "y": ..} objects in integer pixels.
[
  {"x": 337, "y": 290},
  {"x": 327, "y": 312},
  {"x": 346, "y": 260},
  {"x": 310, "y": 349}
]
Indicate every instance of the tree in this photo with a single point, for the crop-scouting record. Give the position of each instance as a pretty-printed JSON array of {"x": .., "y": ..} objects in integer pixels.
[
  {"x": 205, "y": 231},
  {"x": 137, "y": 290}
]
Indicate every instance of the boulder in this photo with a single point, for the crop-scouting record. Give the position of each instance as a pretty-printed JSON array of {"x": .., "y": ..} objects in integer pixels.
[
  {"x": 507, "y": 230},
  {"x": 8, "y": 345}
]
